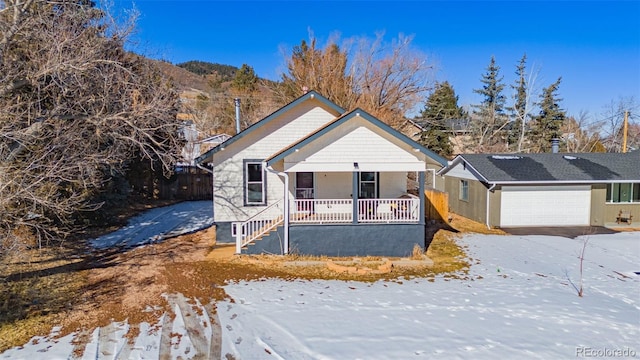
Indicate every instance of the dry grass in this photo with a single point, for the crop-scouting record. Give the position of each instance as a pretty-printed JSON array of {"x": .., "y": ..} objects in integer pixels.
[
  {"x": 35, "y": 290},
  {"x": 66, "y": 287}
]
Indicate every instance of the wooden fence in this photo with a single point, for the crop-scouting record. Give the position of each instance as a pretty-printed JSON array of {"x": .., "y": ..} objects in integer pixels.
[
  {"x": 189, "y": 184},
  {"x": 436, "y": 205}
]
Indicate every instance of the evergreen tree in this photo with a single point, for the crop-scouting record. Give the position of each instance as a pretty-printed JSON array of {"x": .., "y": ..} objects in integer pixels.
[
  {"x": 441, "y": 106},
  {"x": 546, "y": 125},
  {"x": 489, "y": 118},
  {"x": 245, "y": 79},
  {"x": 245, "y": 87}
]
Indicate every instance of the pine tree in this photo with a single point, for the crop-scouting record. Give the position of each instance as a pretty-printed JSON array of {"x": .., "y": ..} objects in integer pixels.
[
  {"x": 546, "y": 125},
  {"x": 441, "y": 106},
  {"x": 489, "y": 118},
  {"x": 245, "y": 79}
]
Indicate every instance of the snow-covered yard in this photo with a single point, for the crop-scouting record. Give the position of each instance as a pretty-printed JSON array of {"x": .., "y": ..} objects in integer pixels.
[
  {"x": 517, "y": 301},
  {"x": 158, "y": 224}
]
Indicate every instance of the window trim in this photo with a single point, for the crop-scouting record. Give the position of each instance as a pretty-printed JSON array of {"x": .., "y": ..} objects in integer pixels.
[
  {"x": 632, "y": 193},
  {"x": 375, "y": 181},
  {"x": 464, "y": 195},
  {"x": 245, "y": 182}
]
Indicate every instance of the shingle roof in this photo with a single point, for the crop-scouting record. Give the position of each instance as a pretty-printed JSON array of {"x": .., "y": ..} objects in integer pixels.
[{"x": 551, "y": 167}]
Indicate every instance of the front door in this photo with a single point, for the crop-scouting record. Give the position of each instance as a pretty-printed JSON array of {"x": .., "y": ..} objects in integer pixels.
[{"x": 304, "y": 190}]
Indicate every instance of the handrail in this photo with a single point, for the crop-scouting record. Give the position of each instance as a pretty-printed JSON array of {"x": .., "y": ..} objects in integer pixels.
[{"x": 257, "y": 225}]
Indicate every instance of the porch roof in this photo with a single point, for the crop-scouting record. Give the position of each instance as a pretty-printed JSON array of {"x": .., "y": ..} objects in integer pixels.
[{"x": 355, "y": 141}]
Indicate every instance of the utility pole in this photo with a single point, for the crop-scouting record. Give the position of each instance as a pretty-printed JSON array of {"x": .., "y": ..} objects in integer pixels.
[{"x": 625, "y": 129}]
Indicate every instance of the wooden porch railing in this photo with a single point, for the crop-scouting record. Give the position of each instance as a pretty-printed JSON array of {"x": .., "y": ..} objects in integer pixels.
[
  {"x": 327, "y": 211},
  {"x": 321, "y": 211},
  {"x": 258, "y": 225},
  {"x": 388, "y": 210}
]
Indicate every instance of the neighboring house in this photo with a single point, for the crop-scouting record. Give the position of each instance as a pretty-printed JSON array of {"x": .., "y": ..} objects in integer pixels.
[
  {"x": 412, "y": 129},
  {"x": 550, "y": 189},
  {"x": 193, "y": 147},
  {"x": 313, "y": 179}
]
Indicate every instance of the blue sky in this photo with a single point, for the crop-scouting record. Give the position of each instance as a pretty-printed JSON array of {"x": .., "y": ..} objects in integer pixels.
[{"x": 594, "y": 46}]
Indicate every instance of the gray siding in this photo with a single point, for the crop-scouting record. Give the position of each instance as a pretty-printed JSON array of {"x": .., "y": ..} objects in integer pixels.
[
  {"x": 395, "y": 240},
  {"x": 223, "y": 233}
]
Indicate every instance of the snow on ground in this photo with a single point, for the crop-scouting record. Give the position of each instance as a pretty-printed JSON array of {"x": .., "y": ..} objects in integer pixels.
[
  {"x": 518, "y": 301},
  {"x": 158, "y": 224}
]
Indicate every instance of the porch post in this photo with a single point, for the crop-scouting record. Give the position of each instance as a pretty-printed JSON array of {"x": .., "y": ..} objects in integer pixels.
[
  {"x": 354, "y": 197},
  {"x": 421, "y": 179},
  {"x": 286, "y": 213}
]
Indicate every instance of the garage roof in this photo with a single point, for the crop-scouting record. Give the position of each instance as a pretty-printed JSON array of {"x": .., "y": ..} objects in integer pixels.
[{"x": 552, "y": 167}]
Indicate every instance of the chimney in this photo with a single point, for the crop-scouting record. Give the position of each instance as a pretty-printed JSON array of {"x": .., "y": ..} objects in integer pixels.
[
  {"x": 237, "y": 102},
  {"x": 555, "y": 145}
]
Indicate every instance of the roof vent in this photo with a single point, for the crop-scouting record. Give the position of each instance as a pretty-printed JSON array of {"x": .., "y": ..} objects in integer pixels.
[
  {"x": 506, "y": 157},
  {"x": 569, "y": 157}
]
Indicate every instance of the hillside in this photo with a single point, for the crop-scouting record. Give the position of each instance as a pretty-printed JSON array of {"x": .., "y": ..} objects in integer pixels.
[
  {"x": 184, "y": 79},
  {"x": 207, "y": 97}
]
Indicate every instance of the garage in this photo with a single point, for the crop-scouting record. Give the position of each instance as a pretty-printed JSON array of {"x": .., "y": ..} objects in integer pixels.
[{"x": 545, "y": 205}]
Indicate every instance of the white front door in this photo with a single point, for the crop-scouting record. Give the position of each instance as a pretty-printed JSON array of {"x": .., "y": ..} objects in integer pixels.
[{"x": 545, "y": 205}]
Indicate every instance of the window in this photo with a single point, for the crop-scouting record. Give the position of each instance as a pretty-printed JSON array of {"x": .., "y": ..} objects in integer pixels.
[
  {"x": 368, "y": 185},
  {"x": 254, "y": 183},
  {"x": 623, "y": 192},
  {"x": 464, "y": 190}
]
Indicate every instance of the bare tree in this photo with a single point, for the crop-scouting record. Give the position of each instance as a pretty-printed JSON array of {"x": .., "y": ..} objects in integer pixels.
[
  {"x": 581, "y": 136},
  {"x": 386, "y": 79},
  {"x": 612, "y": 119},
  {"x": 77, "y": 108},
  {"x": 523, "y": 101}
]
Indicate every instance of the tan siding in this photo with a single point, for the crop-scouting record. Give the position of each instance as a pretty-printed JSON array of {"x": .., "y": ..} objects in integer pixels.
[
  {"x": 334, "y": 185},
  {"x": 392, "y": 184},
  {"x": 495, "y": 197},
  {"x": 475, "y": 207},
  {"x": 603, "y": 212},
  {"x": 598, "y": 198}
]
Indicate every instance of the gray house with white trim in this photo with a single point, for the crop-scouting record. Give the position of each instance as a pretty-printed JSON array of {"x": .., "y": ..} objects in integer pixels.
[
  {"x": 312, "y": 178},
  {"x": 549, "y": 189}
]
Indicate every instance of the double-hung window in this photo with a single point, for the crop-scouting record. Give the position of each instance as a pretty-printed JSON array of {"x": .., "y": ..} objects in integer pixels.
[
  {"x": 623, "y": 193},
  {"x": 464, "y": 190},
  {"x": 254, "y": 183}
]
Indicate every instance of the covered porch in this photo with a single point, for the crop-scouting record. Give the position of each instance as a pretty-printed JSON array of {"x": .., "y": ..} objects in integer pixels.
[
  {"x": 345, "y": 190},
  {"x": 350, "y": 212},
  {"x": 352, "y": 198}
]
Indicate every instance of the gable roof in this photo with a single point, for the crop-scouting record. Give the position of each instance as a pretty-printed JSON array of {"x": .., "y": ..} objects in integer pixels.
[
  {"x": 341, "y": 120},
  {"x": 254, "y": 127},
  {"x": 551, "y": 167}
]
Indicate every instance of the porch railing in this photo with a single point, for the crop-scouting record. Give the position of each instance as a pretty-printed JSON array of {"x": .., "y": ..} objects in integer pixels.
[
  {"x": 388, "y": 210},
  {"x": 326, "y": 211},
  {"x": 321, "y": 211},
  {"x": 258, "y": 225}
]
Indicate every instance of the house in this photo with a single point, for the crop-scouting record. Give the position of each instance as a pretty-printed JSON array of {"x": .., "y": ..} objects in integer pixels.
[
  {"x": 549, "y": 189},
  {"x": 312, "y": 178}
]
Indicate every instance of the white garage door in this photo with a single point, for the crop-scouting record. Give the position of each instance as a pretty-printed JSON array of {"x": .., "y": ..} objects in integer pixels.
[{"x": 545, "y": 206}]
